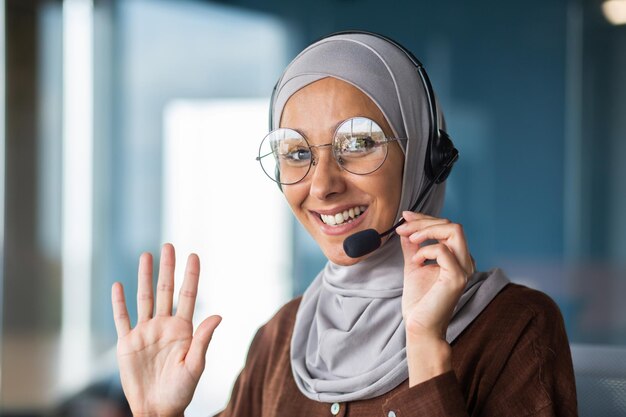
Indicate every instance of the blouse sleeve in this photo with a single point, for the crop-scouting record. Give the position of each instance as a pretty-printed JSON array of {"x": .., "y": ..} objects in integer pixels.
[
  {"x": 439, "y": 396},
  {"x": 523, "y": 368},
  {"x": 538, "y": 376}
]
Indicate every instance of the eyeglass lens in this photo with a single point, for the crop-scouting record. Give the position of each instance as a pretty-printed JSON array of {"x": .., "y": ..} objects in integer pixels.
[{"x": 359, "y": 146}]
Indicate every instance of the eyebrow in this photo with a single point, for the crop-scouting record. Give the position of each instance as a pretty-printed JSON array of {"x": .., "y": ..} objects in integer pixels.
[{"x": 333, "y": 129}]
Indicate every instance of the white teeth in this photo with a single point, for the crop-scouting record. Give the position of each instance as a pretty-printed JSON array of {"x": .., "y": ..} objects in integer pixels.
[{"x": 342, "y": 217}]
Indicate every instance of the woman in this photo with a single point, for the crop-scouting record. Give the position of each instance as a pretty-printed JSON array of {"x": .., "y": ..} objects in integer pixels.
[{"x": 408, "y": 330}]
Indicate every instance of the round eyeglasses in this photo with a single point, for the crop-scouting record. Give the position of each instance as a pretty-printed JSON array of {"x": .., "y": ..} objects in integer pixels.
[{"x": 359, "y": 146}]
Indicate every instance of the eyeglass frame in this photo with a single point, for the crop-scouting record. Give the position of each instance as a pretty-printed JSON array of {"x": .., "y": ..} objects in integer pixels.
[{"x": 312, "y": 162}]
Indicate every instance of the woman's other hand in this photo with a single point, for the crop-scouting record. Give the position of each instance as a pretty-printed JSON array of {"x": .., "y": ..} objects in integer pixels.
[
  {"x": 431, "y": 290},
  {"x": 161, "y": 359}
]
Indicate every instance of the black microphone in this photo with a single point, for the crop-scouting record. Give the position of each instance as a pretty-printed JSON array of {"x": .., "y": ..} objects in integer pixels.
[
  {"x": 368, "y": 240},
  {"x": 361, "y": 243}
]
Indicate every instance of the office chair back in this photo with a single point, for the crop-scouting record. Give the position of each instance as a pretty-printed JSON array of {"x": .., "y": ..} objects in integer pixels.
[{"x": 600, "y": 380}]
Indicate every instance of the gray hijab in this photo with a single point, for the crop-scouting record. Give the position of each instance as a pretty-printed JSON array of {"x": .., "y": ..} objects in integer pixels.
[{"x": 349, "y": 340}]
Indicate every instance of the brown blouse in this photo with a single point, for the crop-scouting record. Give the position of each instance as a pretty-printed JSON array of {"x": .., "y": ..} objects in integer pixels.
[{"x": 513, "y": 360}]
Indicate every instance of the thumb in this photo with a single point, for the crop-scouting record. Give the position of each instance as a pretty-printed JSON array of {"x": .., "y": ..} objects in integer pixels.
[
  {"x": 195, "y": 359},
  {"x": 408, "y": 250}
]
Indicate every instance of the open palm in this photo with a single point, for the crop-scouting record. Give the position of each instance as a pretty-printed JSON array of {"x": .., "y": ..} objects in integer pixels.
[{"x": 161, "y": 359}]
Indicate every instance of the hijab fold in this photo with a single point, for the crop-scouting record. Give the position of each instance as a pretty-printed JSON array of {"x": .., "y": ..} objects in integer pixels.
[{"x": 349, "y": 339}]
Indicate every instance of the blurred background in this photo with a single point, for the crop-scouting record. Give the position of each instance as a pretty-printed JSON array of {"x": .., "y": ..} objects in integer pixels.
[{"x": 125, "y": 124}]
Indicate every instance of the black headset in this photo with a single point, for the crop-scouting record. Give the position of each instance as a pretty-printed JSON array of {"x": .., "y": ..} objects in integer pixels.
[{"x": 440, "y": 152}]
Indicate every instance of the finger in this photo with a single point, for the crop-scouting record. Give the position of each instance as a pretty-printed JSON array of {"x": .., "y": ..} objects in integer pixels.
[
  {"x": 445, "y": 260},
  {"x": 120, "y": 313},
  {"x": 195, "y": 359},
  {"x": 414, "y": 215},
  {"x": 443, "y": 296},
  {"x": 439, "y": 231},
  {"x": 165, "y": 284},
  {"x": 415, "y": 225},
  {"x": 447, "y": 289},
  {"x": 451, "y": 235},
  {"x": 408, "y": 249},
  {"x": 145, "y": 298},
  {"x": 189, "y": 289}
]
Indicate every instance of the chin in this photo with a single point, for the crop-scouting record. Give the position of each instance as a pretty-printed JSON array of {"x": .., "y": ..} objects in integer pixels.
[
  {"x": 338, "y": 256},
  {"x": 345, "y": 260}
]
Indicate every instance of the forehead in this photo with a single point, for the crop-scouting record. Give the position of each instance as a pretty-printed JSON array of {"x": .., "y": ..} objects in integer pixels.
[{"x": 319, "y": 107}]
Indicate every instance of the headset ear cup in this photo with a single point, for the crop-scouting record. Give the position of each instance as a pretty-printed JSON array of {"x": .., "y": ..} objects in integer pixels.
[{"x": 442, "y": 157}]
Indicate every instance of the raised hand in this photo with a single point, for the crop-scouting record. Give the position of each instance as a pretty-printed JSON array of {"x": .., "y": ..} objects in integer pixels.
[
  {"x": 161, "y": 359},
  {"x": 431, "y": 290}
]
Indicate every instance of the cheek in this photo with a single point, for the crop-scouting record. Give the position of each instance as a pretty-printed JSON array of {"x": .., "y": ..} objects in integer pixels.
[
  {"x": 392, "y": 193},
  {"x": 397, "y": 174},
  {"x": 390, "y": 189},
  {"x": 397, "y": 189},
  {"x": 295, "y": 195}
]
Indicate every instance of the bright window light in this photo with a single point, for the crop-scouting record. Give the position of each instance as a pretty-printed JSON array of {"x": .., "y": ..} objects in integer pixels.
[
  {"x": 218, "y": 203},
  {"x": 615, "y": 11},
  {"x": 77, "y": 197}
]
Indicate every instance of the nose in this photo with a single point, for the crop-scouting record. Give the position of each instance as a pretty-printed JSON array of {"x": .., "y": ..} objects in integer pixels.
[{"x": 327, "y": 178}]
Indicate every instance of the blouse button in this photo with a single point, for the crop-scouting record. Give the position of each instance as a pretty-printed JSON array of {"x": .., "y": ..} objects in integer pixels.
[
  {"x": 334, "y": 409},
  {"x": 391, "y": 414}
]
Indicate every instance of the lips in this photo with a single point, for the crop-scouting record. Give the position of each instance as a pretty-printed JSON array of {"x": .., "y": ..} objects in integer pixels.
[{"x": 345, "y": 216}]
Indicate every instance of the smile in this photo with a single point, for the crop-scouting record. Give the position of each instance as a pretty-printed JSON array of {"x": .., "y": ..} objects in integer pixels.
[{"x": 345, "y": 216}]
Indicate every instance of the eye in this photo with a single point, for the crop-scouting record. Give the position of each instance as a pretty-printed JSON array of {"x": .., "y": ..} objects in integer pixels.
[
  {"x": 295, "y": 155},
  {"x": 301, "y": 154}
]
